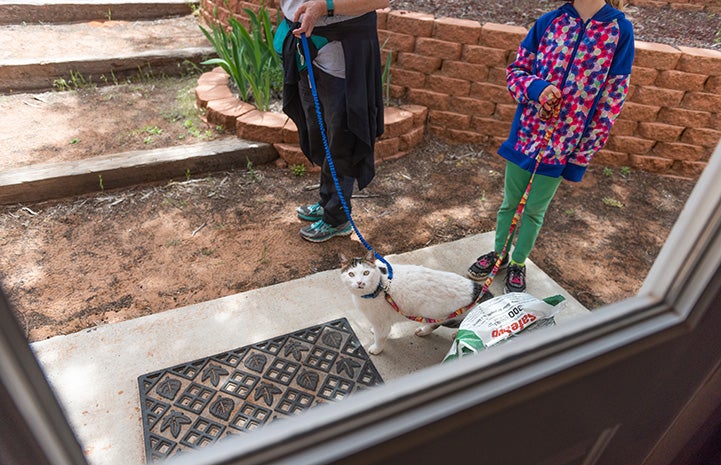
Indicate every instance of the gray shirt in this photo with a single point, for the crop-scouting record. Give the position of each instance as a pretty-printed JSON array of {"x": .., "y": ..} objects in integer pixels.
[{"x": 330, "y": 57}]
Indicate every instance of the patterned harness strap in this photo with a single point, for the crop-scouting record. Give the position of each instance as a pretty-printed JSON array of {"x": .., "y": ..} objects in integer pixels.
[{"x": 514, "y": 222}]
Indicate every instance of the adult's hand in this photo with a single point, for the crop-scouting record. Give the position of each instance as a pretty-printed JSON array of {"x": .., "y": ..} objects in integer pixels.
[{"x": 310, "y": 12}]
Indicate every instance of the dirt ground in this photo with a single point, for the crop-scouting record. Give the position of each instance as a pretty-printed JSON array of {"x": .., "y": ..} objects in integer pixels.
[{"x": 73, "y": 264}]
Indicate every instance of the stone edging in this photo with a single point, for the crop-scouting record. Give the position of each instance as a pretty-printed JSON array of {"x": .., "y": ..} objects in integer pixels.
[{"x": 404, "y": 125}]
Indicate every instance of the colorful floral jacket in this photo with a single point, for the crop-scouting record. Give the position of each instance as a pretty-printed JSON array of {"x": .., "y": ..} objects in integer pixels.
[{"x": 590, "y": 62}]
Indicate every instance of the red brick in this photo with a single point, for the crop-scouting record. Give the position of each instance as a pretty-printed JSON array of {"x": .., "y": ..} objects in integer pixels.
[
  {"x": 382, "y": 18},
  {"x": 450, "y": 86},
  {"x": 438, "y": 48},
  {"x": 457, "y": 136},
  {"x": 421, "y": 63},
  {"x": 412, "y": 139},
  {"x": 682, "y": 117},
  {"x": 652, "y": 3},
  {"x": 463, "y": 31},
  {"x": 713, "y": 84},
  {"x": 672, "y": 79},
  {"x": 686, "y": 7},
  {"x": 293, "y": 155},
  {"x": 679, "y": 151},
  {"x": 490, "y": 126},
  {"x": 497, "y": 76},
  {"x": 449, "y": 119},
  {"x": 386, "y": 148},
  {"x": 397, "y": 122},
  {"x": 636, "y": 112},
  {"x": 700, "y": 61},
  {"x": 624, "y": 127},
  {"x": 208, "y": 92},
  {"x": 485, "y": 55},
  {"x": 420, "y": 114},
  {"x": 658, "y": 56},
  {"x": 505, "y": 112},
  {"x": 407, "y": 78},
  {"x": 261, "y": 126},
  {"x": 650, "y": 164},
  {"x": 701, "y": 101},
  {"x": 290, "y": 132},
  {"x": 649, "y": 95},
  {"x": 225, "y": 111},
  {"x": 503, "y": 36},
  {"x": 715, "y": 122},
  {"x": 472, "y": 106},
  {"x": 708, "y": 138},
  {"x": 406, "y": 22},
  {"x": 398, "y": 92},
  {"x": 467, "y": 71},
  {"x": 431, "y": 100},
  {"x": 610, "y": 158},
  {"x": 628, "y": 144},
  {"x": 396, "y": 42},
  {"x": 491, "y": 92},
  {"x": 690, "y": 169},
  {"x": 644, "y": 76},
  {"x": 659, "y": 131}
]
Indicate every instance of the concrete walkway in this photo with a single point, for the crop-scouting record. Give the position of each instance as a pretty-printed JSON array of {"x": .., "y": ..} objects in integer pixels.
[{"x": 94, "y": 372}]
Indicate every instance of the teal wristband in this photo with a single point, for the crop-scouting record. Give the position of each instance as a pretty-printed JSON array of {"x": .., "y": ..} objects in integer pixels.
[{"x": 329, "y": 5}]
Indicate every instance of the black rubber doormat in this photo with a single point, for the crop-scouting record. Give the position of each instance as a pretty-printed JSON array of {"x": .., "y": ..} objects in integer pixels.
[{"x": 195, "y": 404}]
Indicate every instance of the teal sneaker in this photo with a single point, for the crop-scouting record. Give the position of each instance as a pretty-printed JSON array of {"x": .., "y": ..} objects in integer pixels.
[
  {"x": 310, "y": 212},
  {"x": 320, "y": 231}
]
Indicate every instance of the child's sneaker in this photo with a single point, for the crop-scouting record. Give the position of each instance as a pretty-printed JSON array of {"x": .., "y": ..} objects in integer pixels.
[
  {"x": 320, "y": 231},
  {"x": 516, "y": 278},
  {"x": 483, "y": 266},
  {"x": 310, "y": 212}
]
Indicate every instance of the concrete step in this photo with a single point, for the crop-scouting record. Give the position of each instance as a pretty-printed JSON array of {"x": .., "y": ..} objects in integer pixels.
[
  {"x": 36, "y": 55},
  {"x": 72, "y": 11},
  {"x": 63, "y": 179}
]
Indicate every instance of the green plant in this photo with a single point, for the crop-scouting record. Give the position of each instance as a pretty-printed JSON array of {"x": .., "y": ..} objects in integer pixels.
[
  {"x": 611, "y": 202},
  {"x": 625, "y": 170},
  {"x": 187, "y": 174},
  {"x": 386, "y": 76},
  {"x": 252, "y": 175},
  {"x": 569, "y": 211},
  {"x": 608, "y": 172},
  {"x": 298, "y": 170},
  {"x": 75, "y": 81},
  {"x": 248, "y": 56},
  {"x": 100, "y": 178},
  {"x": 74, "y": 140}
]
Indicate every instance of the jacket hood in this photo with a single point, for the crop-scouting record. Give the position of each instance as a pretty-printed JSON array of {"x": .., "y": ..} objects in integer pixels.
[{"x": 606, "y": 14}]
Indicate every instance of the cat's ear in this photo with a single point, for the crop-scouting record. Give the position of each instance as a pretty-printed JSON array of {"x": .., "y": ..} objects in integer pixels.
[
  {"x": 343, "y": 260},
  {"x": 370, "y": 257}
]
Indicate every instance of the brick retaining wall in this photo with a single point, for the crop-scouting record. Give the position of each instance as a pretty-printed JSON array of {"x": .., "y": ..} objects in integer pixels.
[{"x": 456, "y": 69}]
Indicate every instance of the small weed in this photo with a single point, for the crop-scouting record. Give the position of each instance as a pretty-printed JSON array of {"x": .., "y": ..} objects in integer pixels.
[
  {"x": 612, "y": 202},
  {"x": 75, "y": 81},
  {"x": 74, "y": 140},
  {"x": 172, "y": 243},
  {"x": 109, "y": 15},
  {"x": 179, "y": 204},
  {"x": 298, "y": 170},
  {"x": 100, "y": 178},
  {"x": 625, "y": 171},
  {"x": 264, "y": 259},
  {"x": 608, "y": 172},
  {"x": 207, "y": 251},
  {"x": 569, "y": 212},
  {"x": 252, "y": 175},
  {"x": 153, "y": 130},
  {"x": 148, "y": 140},
  {"x": 187, "y": 174}
]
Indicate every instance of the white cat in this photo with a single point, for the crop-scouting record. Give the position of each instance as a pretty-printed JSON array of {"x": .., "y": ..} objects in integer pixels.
[{"x": 417, "y": 291}]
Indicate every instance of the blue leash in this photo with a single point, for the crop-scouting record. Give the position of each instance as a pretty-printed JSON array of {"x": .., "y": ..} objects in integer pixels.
[{"x": 311, "y": 78}]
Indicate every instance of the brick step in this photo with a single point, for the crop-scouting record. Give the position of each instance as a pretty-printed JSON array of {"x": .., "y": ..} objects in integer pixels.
[
  {"x": 73, "y": 11},
  {"x": 99, "y": 51}
]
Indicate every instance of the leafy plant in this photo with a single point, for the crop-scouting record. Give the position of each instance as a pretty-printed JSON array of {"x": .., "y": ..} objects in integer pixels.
[
  {"x": 608, "y": 172},
  {"x": 386, "y": 78},
  {"x": 611, "y": 202},
  {"x": 625, "y": 170},
  {"x": 248, "y": 56},
  {"x": 298, "y": 170}
]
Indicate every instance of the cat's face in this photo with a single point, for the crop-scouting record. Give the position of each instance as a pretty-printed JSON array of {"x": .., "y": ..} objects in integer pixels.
[{"x": 360, "y": 275}]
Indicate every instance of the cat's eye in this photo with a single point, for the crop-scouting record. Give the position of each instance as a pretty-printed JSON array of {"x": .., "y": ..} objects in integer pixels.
[
  {"x": 351, "y": 274},
  {"x": 366, "y": 272}
]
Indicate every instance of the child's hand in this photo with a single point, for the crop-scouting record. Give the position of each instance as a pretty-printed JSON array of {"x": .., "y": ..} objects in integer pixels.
[{"x": 549, "y": 99}]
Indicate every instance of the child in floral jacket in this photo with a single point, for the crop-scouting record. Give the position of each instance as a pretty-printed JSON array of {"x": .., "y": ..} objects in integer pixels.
[{"x": 572, "y": 72}]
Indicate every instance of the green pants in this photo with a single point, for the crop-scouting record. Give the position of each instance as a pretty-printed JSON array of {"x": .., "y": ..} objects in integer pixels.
[{"x": 527, "y": 229}]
